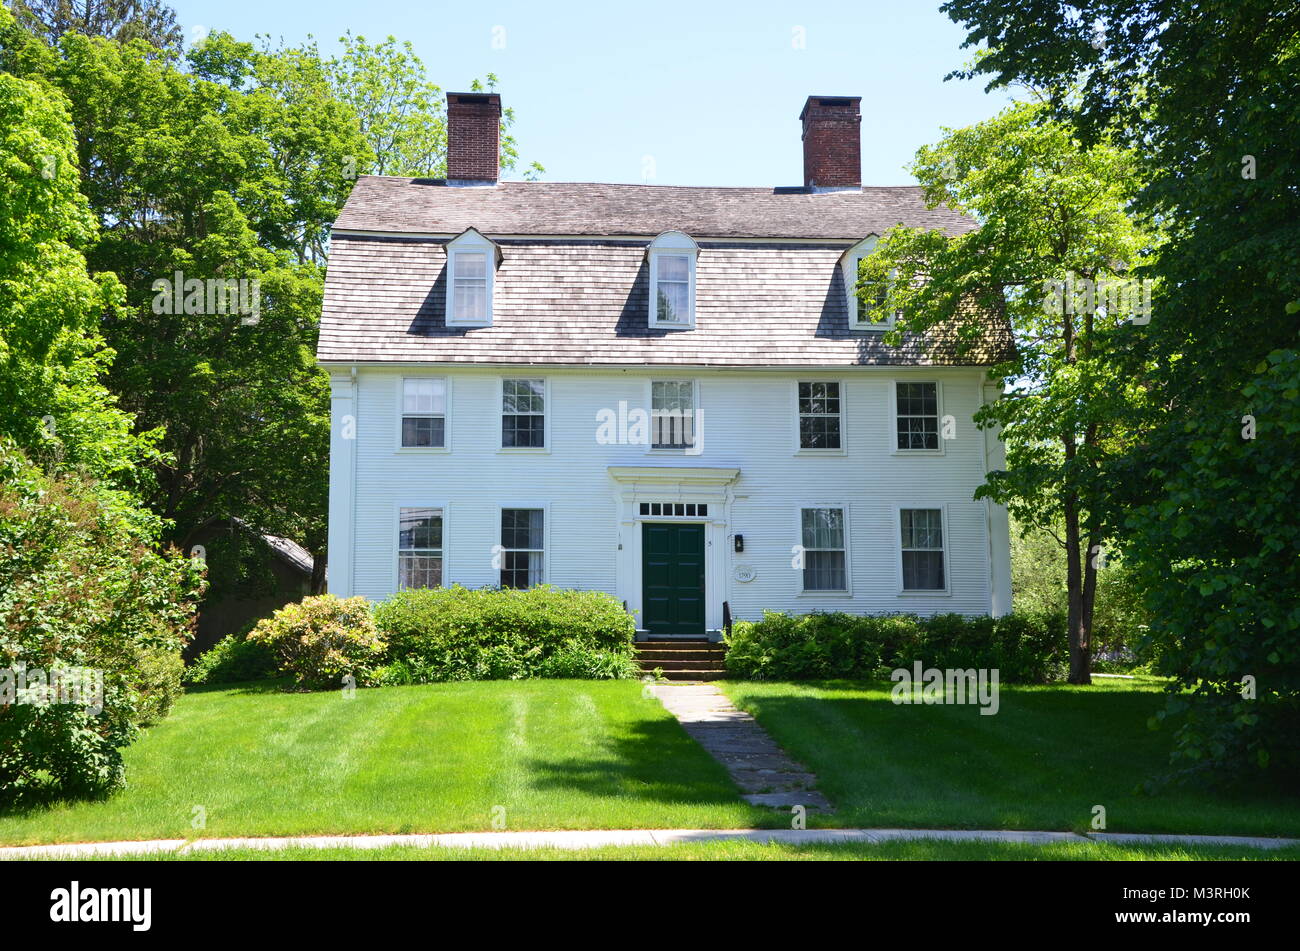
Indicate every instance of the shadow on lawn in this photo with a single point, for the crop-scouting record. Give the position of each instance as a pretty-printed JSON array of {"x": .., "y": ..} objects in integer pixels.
[
  {"x": 1048, "y": 751},
  {"x": 651, "y": 759}
]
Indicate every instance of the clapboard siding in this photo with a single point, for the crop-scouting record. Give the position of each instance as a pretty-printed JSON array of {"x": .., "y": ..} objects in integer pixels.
[{"x": 749, "y": 423}]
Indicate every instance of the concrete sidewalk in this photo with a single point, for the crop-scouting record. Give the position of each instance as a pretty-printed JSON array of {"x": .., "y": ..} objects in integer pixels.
[{"x": 597, "y": 838}]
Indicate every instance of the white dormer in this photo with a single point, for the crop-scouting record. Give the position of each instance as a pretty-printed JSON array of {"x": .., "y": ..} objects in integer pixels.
[
  {"x": 862, "y": 317},
  {"x": 671, "y": 257},
  {"x": 471, "y": 271}
]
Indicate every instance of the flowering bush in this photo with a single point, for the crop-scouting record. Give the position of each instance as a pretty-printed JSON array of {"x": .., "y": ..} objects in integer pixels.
[
  {"x": 87, "y": 599},
  {"x": 323, "y": 639}
]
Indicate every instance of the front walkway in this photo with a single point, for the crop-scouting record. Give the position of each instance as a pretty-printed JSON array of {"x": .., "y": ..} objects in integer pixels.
[
  {"x": 765, "y": 773},
  {"x": 599, "y": 838}
]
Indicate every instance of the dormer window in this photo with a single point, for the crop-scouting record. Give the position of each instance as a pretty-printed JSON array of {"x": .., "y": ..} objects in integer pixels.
[
  {"x": 865, "y": 314},
  {"x": 471, "y": 271},
  {"x": 672, "y": 280}
]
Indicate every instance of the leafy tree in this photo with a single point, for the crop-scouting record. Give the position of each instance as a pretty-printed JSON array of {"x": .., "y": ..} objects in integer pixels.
[
  {"x": 230, "y": 172},
  {"x": 121, "y": 20},
  {"x": 52, "y": 400},
  {"x": 401, "y": 112},
  {"x": 1051, "y": 213},
  {"x": 1209, "y": 95},
  {"x": 1038, "y": 585}
]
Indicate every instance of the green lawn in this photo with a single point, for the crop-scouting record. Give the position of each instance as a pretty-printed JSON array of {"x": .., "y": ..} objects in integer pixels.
[
  {"x": 554, "y": 754},
  {"x": 751, "y": 851},
  {"x": 600, "y": 755},
  {"x": 1042, "y": 762}
]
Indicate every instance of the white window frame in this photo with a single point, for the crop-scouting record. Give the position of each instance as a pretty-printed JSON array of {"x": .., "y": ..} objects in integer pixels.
[
  {"x": 697, "y": 418},
  {"x": 397, "y": 538},
  {"x": 546, "y": 537},
  {"x": 672, "y": 243},
  {"x": 857, "y": 320},
  {"x": 893, "y": 417},
  {"x": 847, "y": 591},
  {"x": 401, "y": 414},
  {"x": 471, "y": 241},
  {"x": 946, "y": 590},
  {"x": 799, "y": 449},
  {"x": 546, "y": 414}
]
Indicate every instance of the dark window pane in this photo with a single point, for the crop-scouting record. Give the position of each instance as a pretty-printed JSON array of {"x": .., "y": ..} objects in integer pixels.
[
  {"x": 923, "y": 571},
  {"x": 823, "y": 528},
  {"x": 425, "y": 431},
  {"x": 523, "y": 431},
  {"x": 419, "y": 571},
  {"x": 824, "y": 571},
  {"x": 521, "y": 528},
  {"x": 819, "y": 432},
  {"x": 521, "y": 569}
]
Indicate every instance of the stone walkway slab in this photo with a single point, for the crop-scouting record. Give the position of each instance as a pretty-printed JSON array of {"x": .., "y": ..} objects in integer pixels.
[{"x": 765, "y": 773}]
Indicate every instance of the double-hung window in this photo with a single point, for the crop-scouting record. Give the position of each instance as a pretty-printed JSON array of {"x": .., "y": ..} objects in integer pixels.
[
  {"x": 419, "y": 548},
  {"x": 672, "y": 258},
  {"x": 866, "y": 310},
  {"x": 672, "y": 414},
  {"x": 922, "y": 545},
  {"x": 471, "y": 270},
  {"x": 523, "y": 414},
  {"x": 823, "y": 549},
  {"x": 469, "y": 281},
  {"x": 819, "y": 416},
  {"x": 522, "y": 547},
  {"x": 424, "y": 413},
  {"x": 918, "y": 415}
]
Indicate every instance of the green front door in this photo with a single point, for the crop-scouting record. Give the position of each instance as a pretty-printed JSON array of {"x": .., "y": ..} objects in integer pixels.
[{"x": 672, "y": 578}]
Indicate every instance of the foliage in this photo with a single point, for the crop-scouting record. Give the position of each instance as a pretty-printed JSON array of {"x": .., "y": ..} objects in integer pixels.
[
  {"x": 321, "y": 640},
  {"x": 1052, "y": 213},
  {"x": 402, "y": 113},
  {"x": 233, "y": 659},
  {"x": 158, "y": 683},
  {"x": 1038, "y": 585},
  {"x": 1209, "y": 94},
  {"x": 1023, "y": 647},
  {"x": 455, "y": 633},
  {"x": 121, "y": 20},
  {"x": 52, "y": 402},
  {"x": 82, "y": 586}
]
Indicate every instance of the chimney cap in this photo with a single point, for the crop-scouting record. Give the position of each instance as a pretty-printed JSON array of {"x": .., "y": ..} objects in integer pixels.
[
  {"x": 849, "y": 104},
  {"x": 474, "y": 98}
]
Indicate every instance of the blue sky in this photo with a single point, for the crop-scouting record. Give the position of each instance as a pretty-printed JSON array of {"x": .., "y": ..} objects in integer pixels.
[{"x": 691, "y": 93}]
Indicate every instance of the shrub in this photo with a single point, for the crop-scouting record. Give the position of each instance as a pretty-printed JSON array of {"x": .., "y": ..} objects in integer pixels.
[
  {"x": 157, "y": 684},
  {"x": 233, "y": 659},
  {"x": 576, "y": 661},
  {"x": 1024, "y": 648},
  {"x": 322, "y": 639},
  {"x": 82, "y": 586},
  {"x": 441, "y": 634}
]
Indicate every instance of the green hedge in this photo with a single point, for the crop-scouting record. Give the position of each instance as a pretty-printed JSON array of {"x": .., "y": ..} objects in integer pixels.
[
  {"x": 456, "y": 633},
  {"x": 233, "y": 659},
  {"x": 1024, "y": 648}
]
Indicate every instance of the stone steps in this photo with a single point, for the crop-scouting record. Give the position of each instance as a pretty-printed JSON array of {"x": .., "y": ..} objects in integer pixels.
[{"x": 683, "y": 660}]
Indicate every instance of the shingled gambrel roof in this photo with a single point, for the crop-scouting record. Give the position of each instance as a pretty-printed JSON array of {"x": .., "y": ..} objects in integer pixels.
[
  {"x": 582, "y": 299},
  {"x": 427, "y": 206}
]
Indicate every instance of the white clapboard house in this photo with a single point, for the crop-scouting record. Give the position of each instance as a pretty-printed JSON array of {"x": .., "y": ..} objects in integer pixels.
[{"x": 669, "y": 394}]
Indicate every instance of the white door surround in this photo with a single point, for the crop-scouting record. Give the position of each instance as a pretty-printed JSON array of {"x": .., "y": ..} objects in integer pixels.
[{"x": 710, "y": 486}]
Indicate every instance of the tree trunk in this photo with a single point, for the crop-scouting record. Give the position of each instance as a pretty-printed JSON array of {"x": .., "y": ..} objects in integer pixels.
[
  {"x": 1079, "y": 622},
  {"x": 318, "y": 572}
]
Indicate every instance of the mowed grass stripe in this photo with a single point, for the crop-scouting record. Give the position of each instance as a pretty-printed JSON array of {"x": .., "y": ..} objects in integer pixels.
[
  {"x": 1047, "y": 757},
  {"x": 436, "y": 758}
]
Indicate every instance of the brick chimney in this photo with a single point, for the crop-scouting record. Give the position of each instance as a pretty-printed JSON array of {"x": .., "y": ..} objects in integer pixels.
[
  {"x": 473, "y": 137},
  {"x": 832, "y": 142}
]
